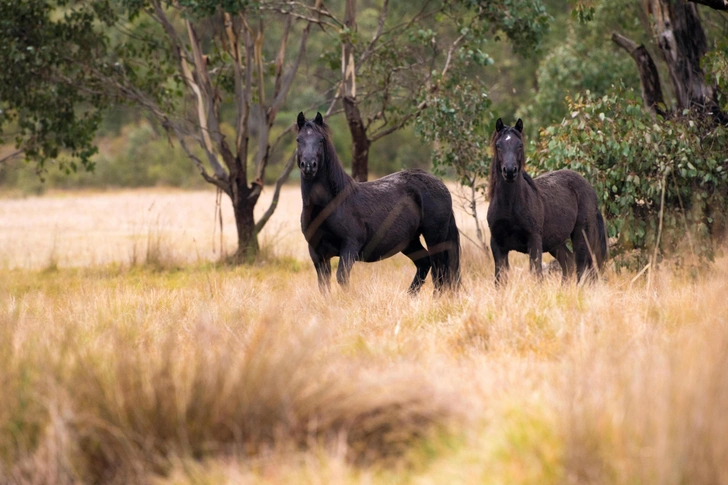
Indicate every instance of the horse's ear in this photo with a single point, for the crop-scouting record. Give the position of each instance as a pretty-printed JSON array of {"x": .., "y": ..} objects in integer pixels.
[
  {"x": 301, "y": 120},
  {"x": 499, "y": 125},
  {"x": 519, "y": 125},
  {"x": 319, "y": 120}
]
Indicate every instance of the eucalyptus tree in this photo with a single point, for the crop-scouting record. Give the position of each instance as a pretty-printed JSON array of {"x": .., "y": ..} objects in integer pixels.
[
  {"x": 213, "y": 74},
  {"x": 187, "y": 61},
  {"x": 394, "y": 58}
]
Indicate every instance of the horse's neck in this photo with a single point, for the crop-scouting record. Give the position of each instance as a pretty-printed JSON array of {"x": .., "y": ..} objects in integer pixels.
[
  {"x": 508, "y": 193},
  {"x": 315, "y": 193},
  {"x": 327, "y": 186}
]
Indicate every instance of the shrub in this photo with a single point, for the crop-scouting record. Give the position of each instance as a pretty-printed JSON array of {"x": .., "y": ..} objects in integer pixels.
[{"x": 630, "y": 156}]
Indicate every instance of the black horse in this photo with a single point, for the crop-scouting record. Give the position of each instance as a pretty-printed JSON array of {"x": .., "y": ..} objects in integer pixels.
[
  {"x": 370, "y": 221},
  {"x": 539, "y": 215}
]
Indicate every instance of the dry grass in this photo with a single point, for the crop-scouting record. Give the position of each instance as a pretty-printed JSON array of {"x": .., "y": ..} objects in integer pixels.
[{"x": 122, "y": 373}]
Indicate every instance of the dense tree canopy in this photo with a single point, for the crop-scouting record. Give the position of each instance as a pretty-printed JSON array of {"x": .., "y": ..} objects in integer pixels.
[{"x": 48, "y": 100}]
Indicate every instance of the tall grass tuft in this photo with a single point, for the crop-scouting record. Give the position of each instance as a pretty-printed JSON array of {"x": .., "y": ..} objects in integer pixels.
[{"x": 128, "y": 411}]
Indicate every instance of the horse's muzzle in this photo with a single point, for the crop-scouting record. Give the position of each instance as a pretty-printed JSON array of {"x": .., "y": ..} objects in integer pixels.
[
  {"x": 309, "y": 169},
  {"x": 510, "y": 175}
]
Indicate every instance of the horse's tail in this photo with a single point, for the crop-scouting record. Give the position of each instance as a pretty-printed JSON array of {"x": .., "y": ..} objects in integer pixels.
[
  {"x": 444, "y": 251},
  {"x": 601, "y": 244},
  {"x": 452, "y": 271}
]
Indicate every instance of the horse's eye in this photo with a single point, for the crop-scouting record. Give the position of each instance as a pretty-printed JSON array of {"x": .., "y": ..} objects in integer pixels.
[{"x": 321, "y": 141}]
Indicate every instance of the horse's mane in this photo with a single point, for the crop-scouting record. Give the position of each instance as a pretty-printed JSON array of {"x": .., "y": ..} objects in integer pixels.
[
  {"x": 493, "y": 178},
  {"x": 338, "y": 177}
]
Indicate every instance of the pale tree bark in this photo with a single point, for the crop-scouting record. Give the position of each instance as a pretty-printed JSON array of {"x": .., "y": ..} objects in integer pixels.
[{"x": 360, "y": 141}]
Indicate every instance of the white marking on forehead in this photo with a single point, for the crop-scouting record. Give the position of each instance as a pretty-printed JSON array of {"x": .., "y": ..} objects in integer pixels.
[
  {"x": 508, "y": 137},
  {"x": 309, "y": 131}
]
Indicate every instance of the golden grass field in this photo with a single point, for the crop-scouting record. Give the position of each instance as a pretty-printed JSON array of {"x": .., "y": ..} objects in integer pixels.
[{"x": 128, "y": 356}]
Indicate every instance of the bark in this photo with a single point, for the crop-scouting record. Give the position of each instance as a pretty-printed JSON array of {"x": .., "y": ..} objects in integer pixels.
[
  {"x": 683, "y": 43},
  {"x": 649, "y": 77},
  {"x": 243, "y": 207},
  {"x": 360, "y": 140}
]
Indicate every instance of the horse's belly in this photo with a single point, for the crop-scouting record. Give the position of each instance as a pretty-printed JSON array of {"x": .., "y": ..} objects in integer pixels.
[
  {"x": 376, "y": 250},
  {"x": 510, "y": 237},
  {"x": 369, "y": 255},
  {"x": 388, "y": 239}
]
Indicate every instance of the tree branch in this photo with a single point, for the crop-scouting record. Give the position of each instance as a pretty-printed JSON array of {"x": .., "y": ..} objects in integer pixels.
[
  {"x": 263, "y": 149},
  {"x": 178, "y": 49},
  {"x": 281, "y": 56},
  {"x": 222, "y": 184},
  {"x": 233, "y": 27},
  {"x": 207, "y": 106},
  {"x": 404, "y": 26},
  {"x": 276, "y": 193},
  {"x": 449, "y": 54},
  {"x": 375, "y": 38},
  {"x": 11, "y": 156},
  {"x": 402, "y": 122},
  {"x": 714, "y": 4},
  {"x": 312, "y": 20},
  {"x": 649, "y": 76}
]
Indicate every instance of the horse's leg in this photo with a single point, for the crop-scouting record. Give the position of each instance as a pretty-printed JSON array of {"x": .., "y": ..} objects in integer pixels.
[
  {"x": 565, "y": 259},
  {"x": 323, "y": 270},
  {"x": 346, "y": 261},
  {"x": 535, "y": 255},
  {"x": 419, "y": 255},
  {"x": 500, "y": 256},
  {"x": 582, "y": 255}
]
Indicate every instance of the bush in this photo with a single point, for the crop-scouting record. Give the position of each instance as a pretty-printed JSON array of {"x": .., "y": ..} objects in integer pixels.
[{"x": 629, "y": 155}]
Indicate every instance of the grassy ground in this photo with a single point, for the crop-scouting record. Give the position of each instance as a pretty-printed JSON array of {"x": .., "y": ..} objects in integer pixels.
[{"x": 148, "y": 365}]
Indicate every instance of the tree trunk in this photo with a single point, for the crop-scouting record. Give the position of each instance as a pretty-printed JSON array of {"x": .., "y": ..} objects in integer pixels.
[
  {"x": 360, "y": 149},
  {"x": 649, "y": 77},
  {"x": 683, "y": 43},
  {"x": 244, "y": 199},
  {"x": 360, "y": 141}
]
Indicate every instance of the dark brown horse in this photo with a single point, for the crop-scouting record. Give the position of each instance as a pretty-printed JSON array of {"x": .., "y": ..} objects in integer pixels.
[
  {"x": 539, "y": 215},
  {"x": 371, "y": 221}
]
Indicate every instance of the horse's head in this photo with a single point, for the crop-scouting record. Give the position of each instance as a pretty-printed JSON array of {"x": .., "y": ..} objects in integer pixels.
[
  {"x": 508, "y": 153},
  {"x": 311, "y": 142}
]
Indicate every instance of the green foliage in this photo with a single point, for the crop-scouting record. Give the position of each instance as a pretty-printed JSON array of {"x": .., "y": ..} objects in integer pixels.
[
  {"x": 569, "y": 69},
  {"x": 457, "y": 125},
  {"x": 458, "y": 111},
  {"x": 583, "y": 13},
  {"x": 585, "y": 60},
  {"x": 523, "y": 22},
  {"x": 715, "y": 64},
  {"x": 628, "y": 156},
  {"x": 48, "y": 97}
]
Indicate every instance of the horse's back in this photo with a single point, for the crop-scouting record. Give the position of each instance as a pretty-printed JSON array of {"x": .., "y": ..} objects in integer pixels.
[{"x": 428, "y": 191}]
